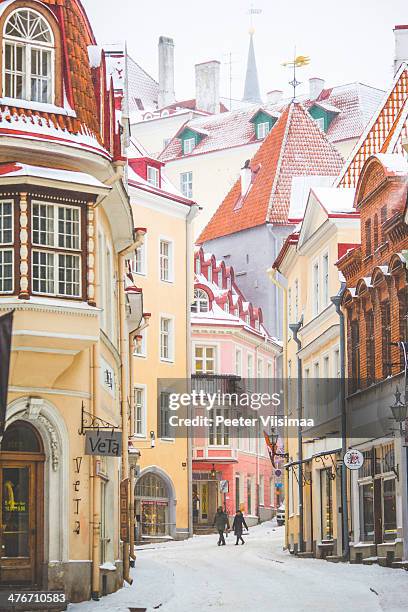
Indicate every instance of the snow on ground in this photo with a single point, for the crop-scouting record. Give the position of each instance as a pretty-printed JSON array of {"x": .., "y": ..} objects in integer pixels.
[{"x": 197, "y": 574}]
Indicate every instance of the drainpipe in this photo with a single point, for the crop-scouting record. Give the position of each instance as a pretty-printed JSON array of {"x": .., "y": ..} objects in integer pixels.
[
  {"x": 193, "y": 212},
  {"x": 295, "y": 327},
  {"x": 344, "y": 506},
  {"x": 272, "y": 277},
  {"x": 96, "y": 482}
]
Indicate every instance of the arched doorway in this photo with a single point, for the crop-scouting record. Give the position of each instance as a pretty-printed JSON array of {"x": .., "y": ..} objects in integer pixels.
[
  {"x": 152, "y": 506},
  {"x": 21, "y": 505}
]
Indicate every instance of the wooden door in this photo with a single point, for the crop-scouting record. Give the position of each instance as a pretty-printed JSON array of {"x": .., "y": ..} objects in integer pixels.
[
  {"x": 378, "y": 528},
  {"x": 19, "y": 520}
]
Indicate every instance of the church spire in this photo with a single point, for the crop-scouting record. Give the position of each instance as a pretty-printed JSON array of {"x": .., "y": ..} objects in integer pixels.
[{"x": 251, "y": 91}]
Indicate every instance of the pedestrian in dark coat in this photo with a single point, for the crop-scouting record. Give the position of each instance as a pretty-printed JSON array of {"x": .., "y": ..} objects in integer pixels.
[
  {"x": 221, "y": 522},
  {"x": 238, "y": 525}
]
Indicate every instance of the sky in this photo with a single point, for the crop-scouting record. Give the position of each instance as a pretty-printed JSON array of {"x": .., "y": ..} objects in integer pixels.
[{"x": 347, "y": 40}]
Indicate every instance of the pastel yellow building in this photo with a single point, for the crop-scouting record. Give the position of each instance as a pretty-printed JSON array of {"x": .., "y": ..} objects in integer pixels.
[
  {"x": 162, "y": 268},
  {"x": 307, "y": 261}
]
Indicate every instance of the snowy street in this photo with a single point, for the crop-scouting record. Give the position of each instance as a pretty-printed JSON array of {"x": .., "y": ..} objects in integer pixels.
[{"x": 258, "y": 577}]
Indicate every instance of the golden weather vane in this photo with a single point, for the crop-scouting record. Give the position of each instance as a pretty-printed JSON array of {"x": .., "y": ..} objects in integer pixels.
[{"x": 298, "y": 62}]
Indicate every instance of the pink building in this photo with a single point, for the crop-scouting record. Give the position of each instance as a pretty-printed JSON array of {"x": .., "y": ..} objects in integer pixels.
[{"x": 230, "y": 348}]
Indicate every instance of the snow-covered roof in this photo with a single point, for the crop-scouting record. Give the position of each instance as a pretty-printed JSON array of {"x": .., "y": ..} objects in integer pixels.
[
  {"x": 222, "y": 293},
  {"x": 353, "y": 105},
  {"x": 334, "y": 200},
  {"x": 17, "y": 170},
  {"x": 394, "y": 163}
]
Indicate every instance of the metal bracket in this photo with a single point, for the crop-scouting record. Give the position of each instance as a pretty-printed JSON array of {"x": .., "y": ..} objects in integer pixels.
[
  {"x": 91, "y": 422},
  {"x": 395, "y": 469}
]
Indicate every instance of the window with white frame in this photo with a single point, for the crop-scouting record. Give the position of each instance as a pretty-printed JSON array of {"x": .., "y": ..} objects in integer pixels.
[
  {"x": 204, "y": 360},
  {"x": 28, "y": 54},
  {"x": 218, "y": 432},
  {"x": 325, "y": 274},
  {"x": 56, "y": 228},
  {"x": 248, "y": 320},
  {"x": 209, "y": 274},
  {"x": 261, "y": 490},
  {"x": 153, "y": 176},
  {"x": 198, "y": 265},
  {"x": 166, "y": 339},
  {"x": 139, "y": 261},
  {"x": 6, "y": 254},
  {"x": 186, "y": 184},
  {"x": 201, "y": 301},
  {"x": 250, "y": 370},
  {"x": 188, "y": 145},
  {"x": 263, "y": 129},
  {"x": 316, "y": 288},
  {"x": 259, "y": 368},
  {"x": 140, "y": 410},
  {"x": 165, "y": 429},
  {"x": 226, "y": 307},
  {"x": 238, "y": 362},
  {"x": 320, "y": 123},
  {"x": 166, "y": 260}
]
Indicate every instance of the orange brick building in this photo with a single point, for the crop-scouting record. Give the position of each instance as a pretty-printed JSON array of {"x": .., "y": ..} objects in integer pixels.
[{"x": 375, "y": 305}]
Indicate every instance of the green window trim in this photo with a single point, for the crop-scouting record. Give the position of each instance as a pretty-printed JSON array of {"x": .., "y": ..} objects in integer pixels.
[{"x": 263, "y": 123}]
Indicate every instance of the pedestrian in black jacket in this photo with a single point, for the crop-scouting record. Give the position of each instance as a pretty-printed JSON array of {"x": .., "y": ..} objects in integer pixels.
[
  {"x": 237, "y": 525},
  {"x": 221, "y": 522}
]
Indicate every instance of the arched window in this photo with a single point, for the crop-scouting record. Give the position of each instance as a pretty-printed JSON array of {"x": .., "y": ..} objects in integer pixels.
[
  {"x": 28, "y": 57},
  {"x": 21, "y": 437},
  {"x": 201, "y": 301},
  {"x": 151, "y": 485}
]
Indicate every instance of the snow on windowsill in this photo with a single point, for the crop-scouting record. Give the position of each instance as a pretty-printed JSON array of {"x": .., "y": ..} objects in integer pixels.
[
  {"x": 42, "y": 107},
  {"x": 108, "y": 566}
]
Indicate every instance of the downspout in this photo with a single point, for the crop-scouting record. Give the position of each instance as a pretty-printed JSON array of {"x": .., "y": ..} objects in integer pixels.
[
  {"x": 344, "y": 505},
  {"x": 95, "y": 483},
  {"x": 272, "y": 277},
  {"x": 295, "y": 327},
  {"x": 193, "y": 212},
  {"x": 125, "y": 365}
]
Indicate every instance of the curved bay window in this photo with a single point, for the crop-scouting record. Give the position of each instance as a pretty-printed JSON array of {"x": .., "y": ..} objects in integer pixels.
[
  {"x": 28, "y": 55},
  {"x": 152, "y": 504},
  {"x": 54, "y": 248}
]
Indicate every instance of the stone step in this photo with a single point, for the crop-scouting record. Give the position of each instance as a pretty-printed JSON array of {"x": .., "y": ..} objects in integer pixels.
[
  {"x": 334, "y": 558},
  {"x": 400, "y": 564},
  {"x": 305, "y": 555},
  {"x": 370, "y": 561}
]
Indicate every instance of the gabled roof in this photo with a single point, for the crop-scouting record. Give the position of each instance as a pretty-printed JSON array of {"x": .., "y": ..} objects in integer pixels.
[
  {"x": 295, "y": 147},
  {"x": 384, "y": 132}
]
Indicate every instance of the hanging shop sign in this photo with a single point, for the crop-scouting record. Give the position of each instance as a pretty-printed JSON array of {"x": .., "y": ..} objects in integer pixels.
[
  {"x": 224, "y": 486},
  {"x": 124, "y": 510},
  {"x": 353, "y": 459},
  {"x": 103, "y": 443}
]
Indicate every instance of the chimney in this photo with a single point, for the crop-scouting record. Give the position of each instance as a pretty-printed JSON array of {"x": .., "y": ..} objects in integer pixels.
[
  {"x": 316, "y": 87},
  {"x": 246, "y": 178},
  {"x": 401, "y": 46},
  {"x": 274, "y": 96},
  {"x": 207, "y": 82},
  {"x": 166, "y": 72}
]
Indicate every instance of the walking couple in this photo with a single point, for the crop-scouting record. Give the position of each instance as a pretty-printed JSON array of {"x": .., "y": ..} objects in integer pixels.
[{"x": 221, "y": 522}]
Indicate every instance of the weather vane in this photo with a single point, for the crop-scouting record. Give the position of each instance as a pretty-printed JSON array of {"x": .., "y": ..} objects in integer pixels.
[{"x": 298, "y": 62}]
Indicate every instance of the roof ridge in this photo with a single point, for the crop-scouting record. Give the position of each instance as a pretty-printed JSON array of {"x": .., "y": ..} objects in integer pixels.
[{"x": 280, "y": 160}]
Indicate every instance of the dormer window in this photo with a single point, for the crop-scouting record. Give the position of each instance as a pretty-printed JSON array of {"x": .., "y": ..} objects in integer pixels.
[
  {"x": 209, "y": 274},
  {"x": 262, "y": 129},
  {"x": 201, "y": 301},
  {"x": 188, "y": 145},
  {"x": 28, "y": 57},
  {"x": 153, "y": 176},
  {"x": 248, "y": 320},
  {"x": 198, "y": 266}
]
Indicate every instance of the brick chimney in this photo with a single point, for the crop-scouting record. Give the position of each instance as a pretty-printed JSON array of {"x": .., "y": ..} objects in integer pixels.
[
  {"x": 207, "y": 83},
  {"x": 316, "y": 87},
  {"x": 166, "y": 72},
  {"x": 401, "y": 46}
]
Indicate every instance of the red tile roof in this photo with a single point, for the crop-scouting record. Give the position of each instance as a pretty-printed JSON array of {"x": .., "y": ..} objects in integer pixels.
[
  {"x": 86, "y": 88},
  {"x": 295, "y": 147},
  {"x": 384, "y": 132}
]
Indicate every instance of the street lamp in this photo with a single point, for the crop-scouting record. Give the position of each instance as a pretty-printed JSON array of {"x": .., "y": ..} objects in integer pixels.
[
  {"x": 399, "y": 409},
  {"x": 213, "y": 472}
]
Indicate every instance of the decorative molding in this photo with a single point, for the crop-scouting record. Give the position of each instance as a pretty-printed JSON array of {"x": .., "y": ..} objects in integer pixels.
[
  {"x": 45, "y": 391},
  {"x": 82, "y": 310},
  {"x": 90, "y": 231},
  {"x": 23, "y": 293}
]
